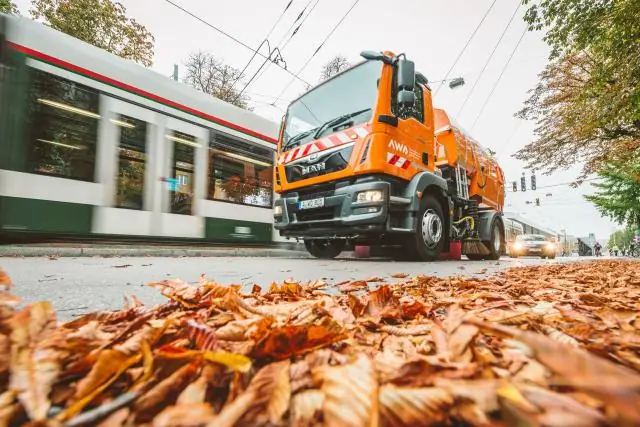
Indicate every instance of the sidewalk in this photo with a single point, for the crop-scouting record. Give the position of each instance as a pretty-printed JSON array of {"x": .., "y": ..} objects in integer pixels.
[{"x": 156, "y": 250}]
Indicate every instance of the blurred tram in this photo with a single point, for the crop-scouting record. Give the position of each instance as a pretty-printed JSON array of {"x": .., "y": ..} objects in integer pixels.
[{"x": 92, "y": 145}]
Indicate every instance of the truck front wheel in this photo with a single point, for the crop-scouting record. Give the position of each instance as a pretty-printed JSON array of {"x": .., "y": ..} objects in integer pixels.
[
  {"x": 495, "y": 245},
  {"x": 325, "y": 249},
  {"x": 430, "y": 234}
]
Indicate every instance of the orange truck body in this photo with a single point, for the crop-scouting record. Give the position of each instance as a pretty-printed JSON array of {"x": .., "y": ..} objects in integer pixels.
[{"x": 363, "y": 161}]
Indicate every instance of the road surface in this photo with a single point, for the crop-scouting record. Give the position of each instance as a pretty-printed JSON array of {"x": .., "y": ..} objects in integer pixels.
[{"x": 79, "y": 285}]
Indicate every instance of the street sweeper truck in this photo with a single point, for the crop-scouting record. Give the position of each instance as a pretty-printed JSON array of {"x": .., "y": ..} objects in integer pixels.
[{"x": 365, "y": 159}]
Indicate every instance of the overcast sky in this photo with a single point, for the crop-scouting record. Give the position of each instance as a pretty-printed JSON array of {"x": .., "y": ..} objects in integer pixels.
[{"x": 431, "y": 32}]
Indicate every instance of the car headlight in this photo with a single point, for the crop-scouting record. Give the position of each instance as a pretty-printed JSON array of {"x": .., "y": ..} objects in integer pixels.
[
  {"x": 517, "y": 246},
  {"x": 277, "y": 210},
  {"x": 369, "y": 196},
  {"x": 551, "y": 246}
]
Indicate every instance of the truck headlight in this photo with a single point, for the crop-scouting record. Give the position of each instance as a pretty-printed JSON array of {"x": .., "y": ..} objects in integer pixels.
[
  {"x": 369, "y": 196},
  {"x": 277, "y": 210}
]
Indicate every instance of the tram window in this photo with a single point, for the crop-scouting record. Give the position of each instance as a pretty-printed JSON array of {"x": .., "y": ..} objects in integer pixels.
[
  {"x": 132, "y": 159},
  {"x": 184, "y": 149},
  {"x": 62, "y": 127},
  {"x": 240, "y": 172}
]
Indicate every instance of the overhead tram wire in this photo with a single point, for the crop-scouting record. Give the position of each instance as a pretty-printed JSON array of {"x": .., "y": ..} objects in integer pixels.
[
  {"x": 355, "y": 3},
  {"x": 465, "y": 46},
  {"x": 241, "y": 43},
  {"x": 265, "y": 39},
  {"x": 464, "y": 104},
  {"x": 486, "y": 102},
  {"x": 265, "y": 66}
]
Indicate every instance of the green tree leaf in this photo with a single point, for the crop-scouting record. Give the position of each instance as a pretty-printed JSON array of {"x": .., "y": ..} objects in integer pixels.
[
  {"x": 102, "y": 23},
  {"x": 7, "y": 6}
]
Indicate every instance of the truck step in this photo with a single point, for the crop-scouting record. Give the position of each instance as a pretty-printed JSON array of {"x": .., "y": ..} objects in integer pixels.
[
  {"x": 395, "y": 200},
  {"x": 401, "y": 230}
]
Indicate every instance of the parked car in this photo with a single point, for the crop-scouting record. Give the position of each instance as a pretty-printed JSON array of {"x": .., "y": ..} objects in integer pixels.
[{"x": 533, "y": 245}]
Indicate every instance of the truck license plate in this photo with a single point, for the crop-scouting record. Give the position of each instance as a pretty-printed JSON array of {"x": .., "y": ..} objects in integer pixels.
[{"x": 311, "y": 204}]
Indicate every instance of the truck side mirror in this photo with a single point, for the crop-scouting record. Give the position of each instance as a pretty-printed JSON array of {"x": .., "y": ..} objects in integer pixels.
[{"x": 406, "y": 82}]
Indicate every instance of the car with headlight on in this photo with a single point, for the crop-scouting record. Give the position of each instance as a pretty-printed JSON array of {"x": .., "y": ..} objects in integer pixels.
[{"x": 533, "y": 245}]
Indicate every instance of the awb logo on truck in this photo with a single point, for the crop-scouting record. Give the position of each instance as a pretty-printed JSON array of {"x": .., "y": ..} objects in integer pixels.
[{"x": 395, "y": 145}]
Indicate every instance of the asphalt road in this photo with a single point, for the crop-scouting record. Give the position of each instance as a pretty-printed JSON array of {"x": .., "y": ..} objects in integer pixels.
[{"x": 79, "y": 285}]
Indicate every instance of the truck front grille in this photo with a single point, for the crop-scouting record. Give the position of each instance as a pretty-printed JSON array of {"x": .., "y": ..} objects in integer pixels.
[{"x": 324, "y": 164}]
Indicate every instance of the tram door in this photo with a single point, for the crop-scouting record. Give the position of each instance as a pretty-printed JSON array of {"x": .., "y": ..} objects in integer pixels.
[
  {"x": 125, "y": 168},
  {"x": 185, "y": 146}
]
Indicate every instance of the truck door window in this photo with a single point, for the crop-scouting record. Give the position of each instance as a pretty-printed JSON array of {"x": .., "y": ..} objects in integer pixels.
[{"x": 417, "y": 111}]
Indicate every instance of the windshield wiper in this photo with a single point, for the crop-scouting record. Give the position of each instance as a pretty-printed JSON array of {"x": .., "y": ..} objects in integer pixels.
[
  {"x": 337, "y": 121},
  {"x": 297, "y": 138}
]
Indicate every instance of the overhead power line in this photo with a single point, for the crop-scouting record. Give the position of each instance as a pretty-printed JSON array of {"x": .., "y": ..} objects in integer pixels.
[
  {"x": 355, "y": 3},
  {"x": 264, "y": 40},
  {"x": 265, "y": 66},
  {"x": 464, "y": 104},
  {"x": 486, "y": 102},
  {"x": 466, "y": 46},
  {"x": 241, "y": 43}
]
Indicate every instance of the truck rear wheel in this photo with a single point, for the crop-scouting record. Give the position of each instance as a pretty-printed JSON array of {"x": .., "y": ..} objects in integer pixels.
[
  {"x": 325, "y": 249},
  {"x": 497, "y": 237},
  {"x": 430, "y": 235}
]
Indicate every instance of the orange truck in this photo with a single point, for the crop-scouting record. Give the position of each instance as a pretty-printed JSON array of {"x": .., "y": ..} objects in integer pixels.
[{"x": 365, "y": 159}]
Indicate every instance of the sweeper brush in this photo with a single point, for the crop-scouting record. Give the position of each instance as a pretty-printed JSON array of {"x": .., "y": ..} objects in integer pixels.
[{"x": 474, "y": 247}]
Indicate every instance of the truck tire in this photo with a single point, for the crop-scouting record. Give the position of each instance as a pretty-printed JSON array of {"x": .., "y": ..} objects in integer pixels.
[
  {"x": 496, "y": 242},
  {"x": 430, "y": 235},
  {"x": 325, "y": 249}
]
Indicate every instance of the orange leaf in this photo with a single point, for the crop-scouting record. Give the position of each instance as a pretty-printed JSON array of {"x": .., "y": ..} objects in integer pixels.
[
  {"x": 5, "y": 281},
  {"x": 109, "y": 363},
  {"x": 194, "y": 393},
  {"x": 286, "y": 341},
  {"x": 166, "y": 391},
  {"x": 35, "y": 365},
  {"x": 400, "y": 275}
]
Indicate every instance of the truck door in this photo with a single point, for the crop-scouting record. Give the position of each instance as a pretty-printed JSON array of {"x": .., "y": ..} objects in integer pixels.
[{"x": 410, "y": 149}]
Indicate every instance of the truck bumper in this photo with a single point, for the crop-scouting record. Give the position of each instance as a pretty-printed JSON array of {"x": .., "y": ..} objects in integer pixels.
[{"x": 341, "y": 216}]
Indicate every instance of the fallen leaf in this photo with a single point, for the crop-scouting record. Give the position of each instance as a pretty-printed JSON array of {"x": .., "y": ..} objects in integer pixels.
[
  {"x": 34, "y": 365},
  {"x": 404, "y": 407},
  {"x": 400, "y": 275},
  {"x": 185, "y": 415},
  {"x": 202, "y": 335},
  {"x": 353, "y": 286},
  {"x": 354, "y": 383}
]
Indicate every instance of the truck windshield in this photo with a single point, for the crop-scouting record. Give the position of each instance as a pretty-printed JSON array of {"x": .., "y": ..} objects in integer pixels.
[{"x": 347, "y": 98}]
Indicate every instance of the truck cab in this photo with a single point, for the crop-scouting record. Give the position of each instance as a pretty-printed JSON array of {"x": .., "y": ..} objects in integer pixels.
[{"x": 356, "y": 164}]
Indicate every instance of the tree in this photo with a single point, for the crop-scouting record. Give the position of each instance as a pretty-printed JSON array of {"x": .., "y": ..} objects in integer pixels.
[
  {"x": 7, "y": 6},
  {"x": 587, "y": 103},
  {"x": 618, "y": 194},
  {"x": 338, "y": 64},
  {"x": 621, "y": 238},
  {"x": 210, "y": 75},
  {"x": 102, "y": 23}
]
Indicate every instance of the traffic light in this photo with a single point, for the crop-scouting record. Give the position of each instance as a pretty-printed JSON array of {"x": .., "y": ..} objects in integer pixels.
[
  {"x": 533, "y": 182},
  {"x": 515, "y": 186},
  {"x": 523, "y": 183},
  {"x": 537, "y": 202}
]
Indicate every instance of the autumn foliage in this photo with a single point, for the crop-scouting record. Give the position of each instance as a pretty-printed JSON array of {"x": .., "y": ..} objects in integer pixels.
[{"x": 553, "y": 345}]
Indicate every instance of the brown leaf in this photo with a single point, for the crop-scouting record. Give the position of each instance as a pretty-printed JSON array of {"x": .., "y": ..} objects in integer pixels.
[
  {"x": 201, "y": 335},
  {"x": 354, "y": 383},
  {"x": 35, "y": 364},
  {"x": 266, "y": 398},
  {"x": 460, "y": 340},
  {"x": 167, "y": 391},
  {"x": 284, "y": 342},
  {"x": 108, "y": 364},
  {"x": 399, "y": 275},
  {"x": 194, "y": 393},
  {"x": 400, "y": 407},
  {"x": 306, "y": 408},
  {"x": 375, "y": 279},
  {"x": 353, "y": 286},
  {"x": 185, "y": 415}
]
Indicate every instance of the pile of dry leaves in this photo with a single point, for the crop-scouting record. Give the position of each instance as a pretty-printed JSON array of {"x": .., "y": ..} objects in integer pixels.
[{"x": 555, "y": 345}]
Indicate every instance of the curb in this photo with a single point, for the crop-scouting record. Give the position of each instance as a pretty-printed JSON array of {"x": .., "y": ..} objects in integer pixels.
[{"x": 77, "y": 252}]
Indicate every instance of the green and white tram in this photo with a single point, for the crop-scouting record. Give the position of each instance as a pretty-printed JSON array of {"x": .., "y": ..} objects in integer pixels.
[{"x": 94, "y": 145}]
